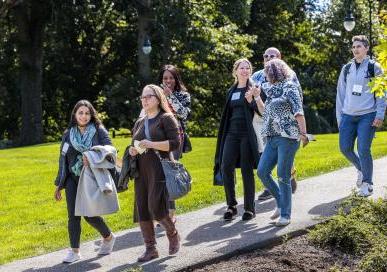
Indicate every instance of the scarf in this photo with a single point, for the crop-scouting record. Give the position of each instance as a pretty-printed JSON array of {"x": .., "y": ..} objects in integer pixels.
[{"x": 81, "y": 143}]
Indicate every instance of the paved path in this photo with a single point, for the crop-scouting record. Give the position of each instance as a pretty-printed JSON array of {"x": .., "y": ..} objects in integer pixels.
[{"x": 205, "y": 236}]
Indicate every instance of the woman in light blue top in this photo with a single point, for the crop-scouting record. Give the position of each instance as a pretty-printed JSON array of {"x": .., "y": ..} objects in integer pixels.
[{"x": 284, "y": 126}]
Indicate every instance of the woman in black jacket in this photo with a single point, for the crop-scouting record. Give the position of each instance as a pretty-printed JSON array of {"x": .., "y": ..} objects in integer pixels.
[
  {"x": 237, "y": 144},
  {"x": 85, "y": 130}
]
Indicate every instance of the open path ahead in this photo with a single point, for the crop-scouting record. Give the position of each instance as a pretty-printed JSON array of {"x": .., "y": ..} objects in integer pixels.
[{"x": 206, "y": 237}]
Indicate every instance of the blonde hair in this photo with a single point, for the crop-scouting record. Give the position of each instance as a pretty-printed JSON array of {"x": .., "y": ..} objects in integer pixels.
[
  {"x": 277, "y": 70},
  {"x": 160, "y": 97},
  {"x": 236, "y": 65}
]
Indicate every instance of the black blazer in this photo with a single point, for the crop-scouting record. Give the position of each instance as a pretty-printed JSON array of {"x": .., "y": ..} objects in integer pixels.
[{"x": 249, "y": 108}]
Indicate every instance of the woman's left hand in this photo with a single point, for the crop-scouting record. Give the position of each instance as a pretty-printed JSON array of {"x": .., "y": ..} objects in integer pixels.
[
  {"x": 249, "y": 96},
  {"x": 146, "y": 144},
  {"x": 304, "y": 140},
  {"x": 85, "y": 161}
]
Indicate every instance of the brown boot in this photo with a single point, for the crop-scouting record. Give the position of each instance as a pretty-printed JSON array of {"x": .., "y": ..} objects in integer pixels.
[
  {"x": 148, "y": 233},
  {"x": 172, "y": 234}
]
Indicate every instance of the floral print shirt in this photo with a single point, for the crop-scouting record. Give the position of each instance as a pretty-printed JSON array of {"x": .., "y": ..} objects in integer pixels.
[
  {"x": 283, "y": 103},
  {"x": 180, "y": 103}
]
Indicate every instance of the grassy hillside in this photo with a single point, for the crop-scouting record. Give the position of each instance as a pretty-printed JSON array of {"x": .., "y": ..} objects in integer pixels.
[{"x": 32, "y": 223}]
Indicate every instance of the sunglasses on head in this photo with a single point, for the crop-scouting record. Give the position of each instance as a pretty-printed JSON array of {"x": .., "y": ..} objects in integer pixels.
[{"x": 266, "y": 56}]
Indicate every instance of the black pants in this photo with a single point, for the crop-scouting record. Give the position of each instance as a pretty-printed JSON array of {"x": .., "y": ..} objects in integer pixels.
[
  {"x": 238, "y": 146},
  {"x": 74, "y": 222}
]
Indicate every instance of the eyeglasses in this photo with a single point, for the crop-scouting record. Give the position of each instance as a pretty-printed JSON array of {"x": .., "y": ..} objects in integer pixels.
[
  {"x": 147, "y": 97},
  {"x": 266, "y": 56}
]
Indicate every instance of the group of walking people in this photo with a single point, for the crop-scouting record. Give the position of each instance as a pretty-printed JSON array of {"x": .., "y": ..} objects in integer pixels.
[
  {"x": 262, "y": 126},
  {"x": 160, "y": 130}
]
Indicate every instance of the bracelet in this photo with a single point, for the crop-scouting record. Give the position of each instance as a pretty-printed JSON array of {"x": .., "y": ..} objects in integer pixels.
[
  {"x": 257, "y": 98},
  {"x": 303, "y": 133}
]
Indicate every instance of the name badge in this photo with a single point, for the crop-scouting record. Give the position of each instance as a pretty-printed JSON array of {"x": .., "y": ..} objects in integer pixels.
[
  {"x": 236, "y": 96},
  {"x": 65, "y": 148},
  {"x": 357, "y": 90}
]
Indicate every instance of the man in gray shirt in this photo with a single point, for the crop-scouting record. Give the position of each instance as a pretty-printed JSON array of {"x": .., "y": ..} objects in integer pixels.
[{"x": 359, "y": 112}]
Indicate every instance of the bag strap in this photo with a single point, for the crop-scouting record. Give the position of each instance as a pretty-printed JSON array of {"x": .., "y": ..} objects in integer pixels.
[
  {"x": 346, "y": 71},
  {"x": 371, "y": 69},
  {"x": 148, "y": 137}
]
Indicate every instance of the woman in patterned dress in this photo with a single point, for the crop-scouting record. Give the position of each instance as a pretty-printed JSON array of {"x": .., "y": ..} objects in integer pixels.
[{"x": 284, "y": 127}]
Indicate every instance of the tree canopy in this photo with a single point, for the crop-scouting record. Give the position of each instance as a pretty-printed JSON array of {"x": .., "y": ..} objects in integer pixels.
[{"x": 53, "y": 53}]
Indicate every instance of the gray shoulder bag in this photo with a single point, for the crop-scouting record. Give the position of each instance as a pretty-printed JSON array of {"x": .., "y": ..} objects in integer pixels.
[{"x": 177, "y": 178}]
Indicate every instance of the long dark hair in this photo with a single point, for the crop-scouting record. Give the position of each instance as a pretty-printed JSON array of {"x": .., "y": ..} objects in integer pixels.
[
  {"x": 179, "y": 85},
  {"x": 93, "y": 113}
]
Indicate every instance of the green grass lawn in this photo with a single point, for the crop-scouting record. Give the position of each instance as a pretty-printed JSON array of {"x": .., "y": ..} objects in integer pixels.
[{"x": 32, "y": 223}]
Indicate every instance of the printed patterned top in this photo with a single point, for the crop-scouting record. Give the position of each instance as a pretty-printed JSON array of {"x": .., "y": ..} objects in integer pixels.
[
  {"x": 180, "y": 103},
  {"x": 259, "y": 78},
  {"x": 283, "y": 103}
]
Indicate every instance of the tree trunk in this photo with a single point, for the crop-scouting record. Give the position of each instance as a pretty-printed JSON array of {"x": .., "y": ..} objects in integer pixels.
[
  {"x": 143, "y": 60},
  {"x": 30, "y": 20}
]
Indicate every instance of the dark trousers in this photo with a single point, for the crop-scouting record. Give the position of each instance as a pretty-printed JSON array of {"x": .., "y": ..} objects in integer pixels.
[
  {"x": 238, "y": 146},
  {"x": 74, "y": 222}
]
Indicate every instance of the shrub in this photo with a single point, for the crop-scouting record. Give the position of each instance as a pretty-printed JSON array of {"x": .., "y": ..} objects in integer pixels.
[
  {"x": 347, "y": 234},
  {"x": 376, "y": 259},
  {"x": 359, "y": 228}
]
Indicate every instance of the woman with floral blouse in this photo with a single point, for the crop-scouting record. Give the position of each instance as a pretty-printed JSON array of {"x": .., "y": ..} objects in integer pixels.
[
  {"x": 284, "y": 127},
  {"x": 179, "y": 101}
]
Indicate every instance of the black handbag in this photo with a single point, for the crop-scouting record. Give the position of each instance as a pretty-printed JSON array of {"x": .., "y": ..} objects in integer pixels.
[{"x": 177, "y": 178}]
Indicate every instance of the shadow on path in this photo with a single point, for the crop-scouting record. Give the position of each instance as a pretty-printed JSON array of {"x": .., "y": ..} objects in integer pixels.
[
  {"x": 326, "y": 209},
  {"x": 84, "y": 265}
]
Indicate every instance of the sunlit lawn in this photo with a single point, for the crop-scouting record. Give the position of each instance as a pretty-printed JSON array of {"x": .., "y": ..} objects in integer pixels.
[{"x": 32, "y": 223}]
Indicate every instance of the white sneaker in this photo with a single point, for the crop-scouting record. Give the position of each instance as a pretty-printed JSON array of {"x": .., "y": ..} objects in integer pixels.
[
  {"x": 359, "y": 179},
  {"x": 282, "y": 222},
  {"x": 72, "y": 256},
  {"x": 365, "y": 189},
  {"x": 276, "y": 214},
  {"x": 107, "y": 246}
]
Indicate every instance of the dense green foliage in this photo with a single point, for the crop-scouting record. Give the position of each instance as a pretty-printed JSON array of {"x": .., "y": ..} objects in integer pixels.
[
  {"x": 32, "y": 223},
  {"x": 359, "y": 229},
  {"x": 91, "y": 49}
]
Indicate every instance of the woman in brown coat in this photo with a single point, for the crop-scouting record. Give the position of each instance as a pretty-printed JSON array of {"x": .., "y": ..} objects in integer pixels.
[{"x": 150, "y": 187}]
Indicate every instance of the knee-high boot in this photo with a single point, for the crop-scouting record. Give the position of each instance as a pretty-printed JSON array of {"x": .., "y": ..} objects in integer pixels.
[
  {"x": 172, "y": 234},
  {"x": 148, "y": 233}
]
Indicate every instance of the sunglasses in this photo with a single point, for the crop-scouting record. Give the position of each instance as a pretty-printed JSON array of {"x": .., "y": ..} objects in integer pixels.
[
  {"x": 147, "y": 97},
  {"x": 266, "y": 56}
]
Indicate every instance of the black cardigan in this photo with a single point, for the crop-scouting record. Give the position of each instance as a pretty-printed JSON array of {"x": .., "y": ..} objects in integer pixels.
[{"x": 249, "y": 108}]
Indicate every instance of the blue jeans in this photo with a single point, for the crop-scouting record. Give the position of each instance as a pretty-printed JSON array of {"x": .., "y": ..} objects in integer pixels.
[
  {"x": 360, "y": 127},
  {"x": 279, "y": 151}
]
